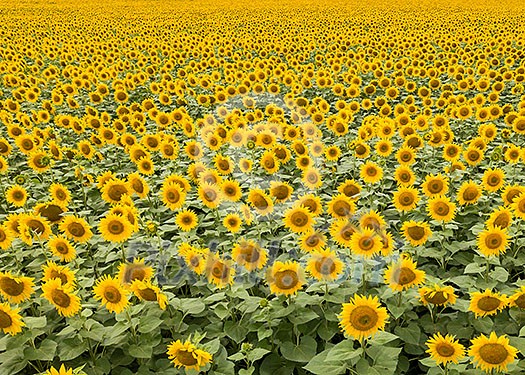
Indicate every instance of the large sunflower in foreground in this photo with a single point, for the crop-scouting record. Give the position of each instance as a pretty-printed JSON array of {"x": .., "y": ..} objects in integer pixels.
[
  {"x": 492, "y": 353},
  {"x": 518, "y": 298},
  {"x": 109, "y": 291},
  {"x": 445, "y": 349},
  {"x": 362, "y": 317},
  {"x": 10, "y": 319},
  {"x": 187, "y": 355}
]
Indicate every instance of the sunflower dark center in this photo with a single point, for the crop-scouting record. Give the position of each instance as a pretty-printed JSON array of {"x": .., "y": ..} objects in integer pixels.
[
  {"x": 112, "y": 294},
  {"x": 60, "y": 298},
  {"x": 11, "y": 287},
  {"x": 404, "y": 275},
  {"x": 493, "y": 353},
  {"x": 286, "y": 279},
  {"x": 445, "y": 350},
  {"x": 5, "y": 320},
  {"x": 488, "y": 303},
  {"x": 363, "y": 318},
  {"x": 186, "y": 358}
]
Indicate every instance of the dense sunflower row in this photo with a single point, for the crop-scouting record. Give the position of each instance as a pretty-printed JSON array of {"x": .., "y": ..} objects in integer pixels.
[{"x": 285, "y": 188}]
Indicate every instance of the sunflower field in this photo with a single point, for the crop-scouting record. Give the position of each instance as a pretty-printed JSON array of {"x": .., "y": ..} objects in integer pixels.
[{"x": 273, "y": 187}]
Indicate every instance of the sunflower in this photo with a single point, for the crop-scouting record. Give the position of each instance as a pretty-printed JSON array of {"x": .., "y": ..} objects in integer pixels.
[
  {"x": 210, "y": 195},
  {"x": 406, "y": 156},
  {"x": 324, "y": 265},
  {"x": 223, "y": 164},
  {"x": 435, "y": 185},
  {"x": 404, "y": 275},
  {"x": 518, "y": 206},
  {"x": 281, "y": 191},
  {"x": 441, "y": 208},
  {"x": 10, "y": 319},
  {"x": 219, "y": 271},
  {"x": 445, "y": 349},
  {"x": 362, "y": 317},
  {"x": 473, "y": 156},
  {"x": 112, "y": 295},
  {"x": 510, "y": 193},
  {"x": 492, "y": 241},
  {"x": 500, "y": 217},
  {"x": 341, "y": 231},
  {"x": 365, "y": 242},
  {"x": 15, "y": 289},
  {"x": 298, "y": 219},
  {"x": 62, "y": 297},
  {"x": 518, "y": 298},
  {"x": 406, "y": 198},
  {"x": 62, "y": 248},
  {"x": 261, "y": 201},
  {"x": 371, "y": 173},
  {"x": 194, "y": 258},
  {"x": 16, "y": 195},
  {"x": 138, "y": 270},
  {"x": 404, "y": 176},
  {"x": 146, "y": 291},
  {"x": 115, "y": 228},
  {"x": 33, "y": 226},
  {"x": 249, "y": 254},
  {"x": 350, "y": 188},
  {"x": 311, "y": 202},
  {"x": 187, "y": 355},
  {"x": 269, "y": 162},
  {"x": 387, "y": 241},
  {"x": 312, "y": 178},
  {"x": 6, "y": 237},
  {"x": 173, "y": 196},
  {"x": 437, "y": 295},
  {"x": 39, "y": 161},
  {"x": 231, "y": 190},
  {"x": 312, "y": 241},
  {"x": 51, "y": 211},
  {"x": 451, "y": 152},
  {"x": 492, "y": 353},
  {"x": 285, "y": 277},
  {"x": 372, "y": 220},
  {"x": 114, "y": 189},
  {"x": 487, "y": 303},
  {"x": 63, "y": 273},
  {"x": 468, "y": 193},
  {"x": 186, "y": 220},
  {"x": 384, "y": 147},
  {"x": 232, "y": 222},
  {"x": 138, "y": 185},
  {"x": 416, "y": 232},
  {"x": 493, "y": 179}
]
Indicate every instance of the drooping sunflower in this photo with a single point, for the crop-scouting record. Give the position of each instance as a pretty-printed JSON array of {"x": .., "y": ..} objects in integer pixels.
[
  {"x": 249, "y": 254},
  {"x": 62, "y": 297},
  {"x": 50, "y": 210},
  {"x": 487, "y": 303},
  {"x": 54, "y": 271},
  {"x": 261, "y": 201},
  {"x": 366, "y": 242},
  {"x": 416, "y": 232},
  {"x": 445, "y": 349},
  {"x": 219, "y": 271},
  {"x": 441, "y": 208},
  {"x": 406, "y": 198},
  {"x": 269, "y": 162},
  {"x": 115, "y": 228},
  {"x": 281, "y": 191},
  {"x": 437, "y": 295},
  {"x": 136, "y": 270},
  {"x": 492, "y": 353},
  {"x": 138, "y": 185},
  {"x": 492, "y": 241},
  {"x": 324, "y": 265},
  {"x": 285, "y": 277},
  {"x": 404, "y": 275},
  {"x": 493, "y": 179},
  {"x": 468, "y": 193},
  {"x": 111, "y": 294},
  {"x": 186, "y": 220},
  {"x": 187, "y": 355},
  {"x": 33, "y": 227},
  {"x": 10, "y": 319},
  {"x": 146, "y": 291},
  {"x": 435, "y": 185},
  {"x": 387, "y": 241},
  {"x": 16, "y": 195},
  {"x": 362, "y": 317},
  {"x": 210, "y": 195},
  {"x": 76, "y": 228},
  {"x": 371, "y": 173},
  {"x": 299, "y": 219}
]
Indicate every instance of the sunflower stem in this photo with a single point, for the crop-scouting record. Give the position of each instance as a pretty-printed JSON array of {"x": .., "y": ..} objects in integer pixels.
[
  {"x": 399, "y": 298},
  {"x": 487, "y": 270},
  {"x": 123, "y": 252},
  {"x": 445, "y": 369},
  {"x": 132, "y": 328}
]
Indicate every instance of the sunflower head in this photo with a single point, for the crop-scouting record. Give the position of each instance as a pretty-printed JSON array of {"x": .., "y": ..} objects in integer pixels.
[
  {"x": 445, "y": 349},
  {"x": 285, "y": 277},
  {"x": 187, "y": 355},
  {"x": 492, "y": 353},
  {"x": 362, "y": 317}
]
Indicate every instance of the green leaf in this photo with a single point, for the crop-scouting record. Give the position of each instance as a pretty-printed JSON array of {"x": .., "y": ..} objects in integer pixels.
[
  {"x": 148, "y": 323},
  {"x": 410, "y": 334},
  {"x": 500, "y": 274},
  {"x": 382, "y": 337},
  {"x": 45, "y": 352},
  {"x": 304, "y": 352},
  {"x": 256, "y": 354},
  {"x": 32, "y": 322},
  {"x": 140, "y": 351},
  {"x": 319, "y": 365},
  {"x": 237, "y": 357},
  {"x": 192, "y": 306},
  {"x": 344, "y": 351},
  {"x": 247, "y": 371},
  {"x": 235, "y": 331},
  {"x": 69, "y": 349},
  {"x": 474, "y": 268},
  {"x": 276, "y": 365}
]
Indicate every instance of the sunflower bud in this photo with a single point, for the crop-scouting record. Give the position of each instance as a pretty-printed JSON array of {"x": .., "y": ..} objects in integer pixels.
[
  {"x": 246, "y": 347},
  {"x": 250, "y": 145},
  {"x": 263, "y": 303},
  {"x": 20, "y": 179}
]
